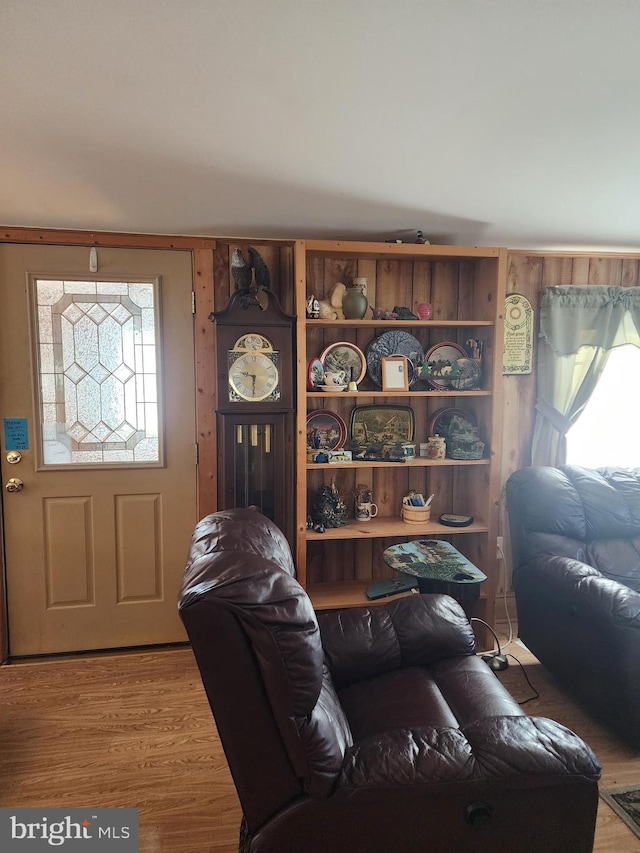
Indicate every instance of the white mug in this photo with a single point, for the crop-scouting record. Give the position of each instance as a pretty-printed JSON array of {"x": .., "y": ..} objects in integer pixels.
[
  {"x": 337, "y": 377},
  {"x": 366, "y": 511}
]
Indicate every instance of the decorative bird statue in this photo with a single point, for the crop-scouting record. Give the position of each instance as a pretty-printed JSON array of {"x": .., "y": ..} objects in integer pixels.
[
  {"x": 241, "y": 270},
  {"x": 263, "y": 279}
]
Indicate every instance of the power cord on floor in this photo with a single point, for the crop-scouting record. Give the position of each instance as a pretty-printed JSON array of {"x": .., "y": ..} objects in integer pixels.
[
  {"x": 498, "y": 662},
  {"x": 504, "y": 595},
  {"x": 494, "y": 660},
  {"x": 536, "y": 695}
]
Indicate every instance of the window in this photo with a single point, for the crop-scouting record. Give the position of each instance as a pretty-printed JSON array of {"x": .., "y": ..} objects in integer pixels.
[
  {"x": 98, "y": 371},
  {"x": 606, "y": 433}
]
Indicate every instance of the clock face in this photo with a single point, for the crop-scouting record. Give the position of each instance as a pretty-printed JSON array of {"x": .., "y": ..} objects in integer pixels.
[{"x": 254, "y": 375}]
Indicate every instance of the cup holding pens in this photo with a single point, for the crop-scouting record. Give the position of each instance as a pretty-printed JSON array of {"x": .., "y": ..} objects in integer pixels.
[
  {"x": 416, "y": 514},
  {"x": 415, "y": 510}
]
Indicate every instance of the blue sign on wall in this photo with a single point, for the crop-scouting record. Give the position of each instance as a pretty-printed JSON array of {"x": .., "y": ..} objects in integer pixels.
[{"x": 16, "y": 434}]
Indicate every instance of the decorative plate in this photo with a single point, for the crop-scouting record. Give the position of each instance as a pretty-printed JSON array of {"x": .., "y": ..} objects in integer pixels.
[
  {"x": 468, "y": 374},
  {"x": 325, "y": 430},
  {"x": 395, "y": 342},
  {"x": 344, "y": 356},
  {"x": 441, "y": 420},
  {"x": 315, "y": 374},
  {"x": 440, "y": 359},
  {"x": 382, "y": 424}
]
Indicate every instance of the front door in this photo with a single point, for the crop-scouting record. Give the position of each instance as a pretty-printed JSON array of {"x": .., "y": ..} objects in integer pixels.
[{"x": 97, "y": 429}]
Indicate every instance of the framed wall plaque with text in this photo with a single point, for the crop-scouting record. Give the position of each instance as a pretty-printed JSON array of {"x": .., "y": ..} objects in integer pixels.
[{"x": 518, "y": 335}]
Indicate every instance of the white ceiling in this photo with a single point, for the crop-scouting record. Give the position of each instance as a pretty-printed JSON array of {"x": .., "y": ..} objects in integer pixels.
[{"x": 491, "y": 122}]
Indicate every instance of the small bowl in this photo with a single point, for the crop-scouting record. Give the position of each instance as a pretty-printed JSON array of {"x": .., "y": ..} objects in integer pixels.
[{"x": 332, "y": 387}]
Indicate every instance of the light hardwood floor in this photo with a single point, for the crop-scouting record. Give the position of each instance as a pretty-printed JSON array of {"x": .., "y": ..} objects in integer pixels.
[{"x": 135, "y": 729}]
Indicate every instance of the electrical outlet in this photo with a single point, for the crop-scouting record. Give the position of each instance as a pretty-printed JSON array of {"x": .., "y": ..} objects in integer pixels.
[{"x": 499, "y": 547}]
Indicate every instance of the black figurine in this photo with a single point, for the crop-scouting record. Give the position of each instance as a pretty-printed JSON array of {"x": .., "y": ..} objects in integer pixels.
[
  {"x": 403, "y": 313},
  {"x": 327, "y": 509}
]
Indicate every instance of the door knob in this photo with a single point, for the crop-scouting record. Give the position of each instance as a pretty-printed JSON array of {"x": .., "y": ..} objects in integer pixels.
[
  {"x": 13, "y": 457},
  {"x": 14, "y": 485}
]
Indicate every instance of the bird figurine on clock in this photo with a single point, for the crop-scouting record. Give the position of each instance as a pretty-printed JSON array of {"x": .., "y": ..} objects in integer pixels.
[{"x": 255, "y": 396}]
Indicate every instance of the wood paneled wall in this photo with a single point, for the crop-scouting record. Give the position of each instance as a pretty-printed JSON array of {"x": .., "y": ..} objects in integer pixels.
[{"x": 528, "y": 273}]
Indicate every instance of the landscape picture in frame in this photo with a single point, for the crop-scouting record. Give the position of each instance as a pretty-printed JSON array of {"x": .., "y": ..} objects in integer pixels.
[
  {"x": 325, "y": 430},
  {"x": 382, "y": 424}
]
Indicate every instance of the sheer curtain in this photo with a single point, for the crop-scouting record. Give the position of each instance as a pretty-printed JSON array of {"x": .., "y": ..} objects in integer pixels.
[{"x": 579, "y": 326}]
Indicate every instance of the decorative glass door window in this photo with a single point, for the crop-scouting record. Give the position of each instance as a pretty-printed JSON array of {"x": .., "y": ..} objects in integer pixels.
[{"x": 97, "y": 353}]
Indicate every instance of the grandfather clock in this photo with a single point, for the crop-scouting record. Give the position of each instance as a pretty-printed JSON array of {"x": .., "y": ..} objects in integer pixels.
[{"x": 255, "y": 405}]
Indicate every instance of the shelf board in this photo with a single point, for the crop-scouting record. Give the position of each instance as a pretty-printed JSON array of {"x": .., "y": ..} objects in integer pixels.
[
  {"x": 417, "y": 462},
  {"x": 330, "y": 596},
  {"x": 380, "y": 393},
  {"x": 382, "y": 251},
  {"x": 386, "y": 324},
  {"x": 382, "y": 528}
]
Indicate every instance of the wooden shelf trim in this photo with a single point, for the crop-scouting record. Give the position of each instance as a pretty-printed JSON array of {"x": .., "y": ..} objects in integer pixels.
[
  {"x": 330, "y": 596},
  {"x": 380, "y": 393},
  {"x": 395, "y": 251},
  {"x": 382, "y": 528},
  {"x": 418, "y": 462},
  {"x": 387, "y": 324}
]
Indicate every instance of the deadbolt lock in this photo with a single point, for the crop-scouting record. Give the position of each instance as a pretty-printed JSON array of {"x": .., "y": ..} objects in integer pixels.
[
  {"x": 13, "y": 457},
  {"x": 14, "y": 485}
]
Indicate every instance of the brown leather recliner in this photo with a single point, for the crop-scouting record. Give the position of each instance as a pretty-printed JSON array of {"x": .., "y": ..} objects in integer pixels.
[{"x": 370, "y": 729}]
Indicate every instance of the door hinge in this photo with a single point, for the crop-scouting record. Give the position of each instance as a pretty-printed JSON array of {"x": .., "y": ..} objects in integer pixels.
[
  {"x": 196, "y": 453},
  {"x": 193, "y": 302}
]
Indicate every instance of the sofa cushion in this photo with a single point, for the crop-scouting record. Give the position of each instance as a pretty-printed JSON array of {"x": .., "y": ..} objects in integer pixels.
[
  {"x": 364, "y": 642},
  {"x": 580, "y": 513},
  {"x": 581, "y": 503},
  {"x": 405, "y": 698},
  {"x": 450, "y": 693},
  {"x": 617, "y": 559}
]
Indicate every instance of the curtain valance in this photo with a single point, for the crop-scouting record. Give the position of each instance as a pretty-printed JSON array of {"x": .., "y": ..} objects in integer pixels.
[{"x": 594, "y": 316}]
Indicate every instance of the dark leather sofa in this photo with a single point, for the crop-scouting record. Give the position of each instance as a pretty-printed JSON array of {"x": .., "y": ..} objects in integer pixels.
[
  {"x": 575, "y": 537},
  {"x": 370, "y": 729}
]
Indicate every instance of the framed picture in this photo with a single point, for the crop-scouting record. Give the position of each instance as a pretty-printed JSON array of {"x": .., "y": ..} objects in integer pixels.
[
  {"x": 440, "y": 360},
  {"x": 325, "y": 430},
  {"x": 346, "y": 356},
  {"x": 394, "y": 342},
  {"x": 395, "y": 373},
  {"x": 382, "y": 424},
  {"x": 315, "y": 374}
]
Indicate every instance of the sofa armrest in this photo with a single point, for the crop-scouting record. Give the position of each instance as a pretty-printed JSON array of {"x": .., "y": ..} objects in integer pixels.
[
  {"x": 500, "y": 748},
  {"x": 362, "y": 642},
  {"x": 585, "y": 584}
]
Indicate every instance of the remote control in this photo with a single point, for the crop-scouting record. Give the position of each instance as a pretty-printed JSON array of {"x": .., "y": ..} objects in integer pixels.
[{"x": 393, "y": 586}]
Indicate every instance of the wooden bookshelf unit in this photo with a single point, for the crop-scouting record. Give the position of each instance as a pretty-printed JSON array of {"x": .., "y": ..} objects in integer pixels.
[{"x": 466, "y": 286}]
